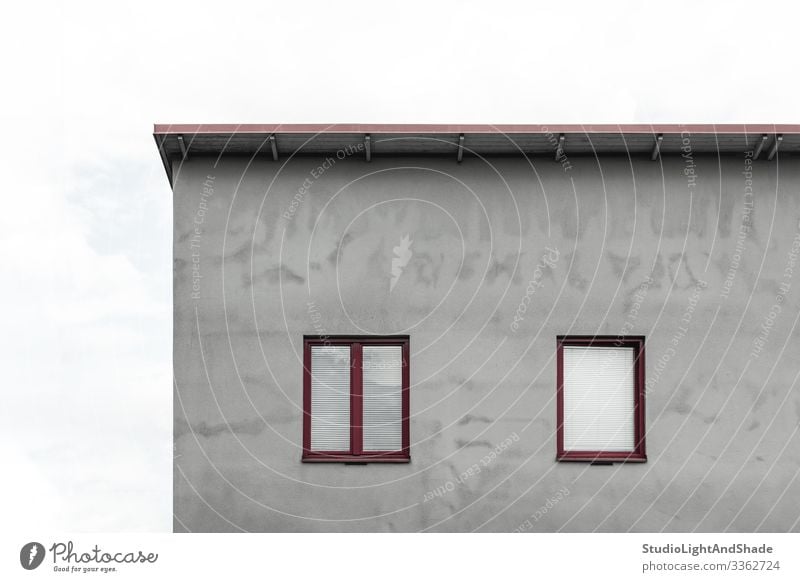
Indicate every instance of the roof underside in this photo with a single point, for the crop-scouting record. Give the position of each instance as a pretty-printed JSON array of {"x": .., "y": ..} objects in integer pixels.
[{"x": 277, "y": 141}]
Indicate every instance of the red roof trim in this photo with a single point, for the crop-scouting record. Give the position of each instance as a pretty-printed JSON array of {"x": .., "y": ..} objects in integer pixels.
[{"x": 694, "y": 128}]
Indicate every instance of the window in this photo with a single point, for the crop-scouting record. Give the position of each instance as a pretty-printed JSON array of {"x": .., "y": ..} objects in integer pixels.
[
  {"x": 355, "y": 399},
  {"x": 600, "y": 394}
]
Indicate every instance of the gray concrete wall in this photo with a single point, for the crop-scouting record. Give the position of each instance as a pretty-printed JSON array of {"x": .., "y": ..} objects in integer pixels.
[{"x": 643, "y": 248}]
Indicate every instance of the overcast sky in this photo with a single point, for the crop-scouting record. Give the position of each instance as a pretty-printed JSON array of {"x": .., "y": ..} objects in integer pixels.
[{"x": 85, "y": 224}]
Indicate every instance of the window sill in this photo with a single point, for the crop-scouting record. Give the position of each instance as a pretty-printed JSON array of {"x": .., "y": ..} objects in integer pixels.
[
  {"x": 356, "y": 459},
  {"x": 601, "y": 457}
]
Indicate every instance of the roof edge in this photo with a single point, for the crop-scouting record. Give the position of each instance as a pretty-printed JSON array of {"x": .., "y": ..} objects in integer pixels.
[{"x": 425, "y": 128}]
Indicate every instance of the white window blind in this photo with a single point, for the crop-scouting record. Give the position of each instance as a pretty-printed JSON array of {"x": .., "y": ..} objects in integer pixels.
[
  {"x": 382, "y": 389},
  {"x": 330, "y": 398},
  {"x": 598, "y": 398}
]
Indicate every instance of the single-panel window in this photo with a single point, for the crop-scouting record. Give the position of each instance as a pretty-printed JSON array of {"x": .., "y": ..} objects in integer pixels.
[
  {"x": 355, "y": 399},
  {"x": 600, "y": 399}
]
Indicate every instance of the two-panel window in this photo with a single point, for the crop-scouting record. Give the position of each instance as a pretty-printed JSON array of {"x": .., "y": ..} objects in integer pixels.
[{"x": 356, "y": 399}]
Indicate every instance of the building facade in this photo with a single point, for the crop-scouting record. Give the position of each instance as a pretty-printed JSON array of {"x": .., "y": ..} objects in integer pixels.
[{"x": 482, "y": 328}]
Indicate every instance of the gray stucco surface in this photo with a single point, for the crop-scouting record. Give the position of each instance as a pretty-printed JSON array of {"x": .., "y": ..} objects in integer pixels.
[{"x": 637, "y": 247}]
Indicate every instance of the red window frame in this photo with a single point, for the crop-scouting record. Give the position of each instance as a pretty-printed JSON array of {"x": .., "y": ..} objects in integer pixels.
[
  {"x": 356, "y": 454},
  {"x": 638, "y": 454}
]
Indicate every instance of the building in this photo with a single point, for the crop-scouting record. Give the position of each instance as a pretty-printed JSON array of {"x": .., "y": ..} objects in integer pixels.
[{"x": 485, "y": 328}]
